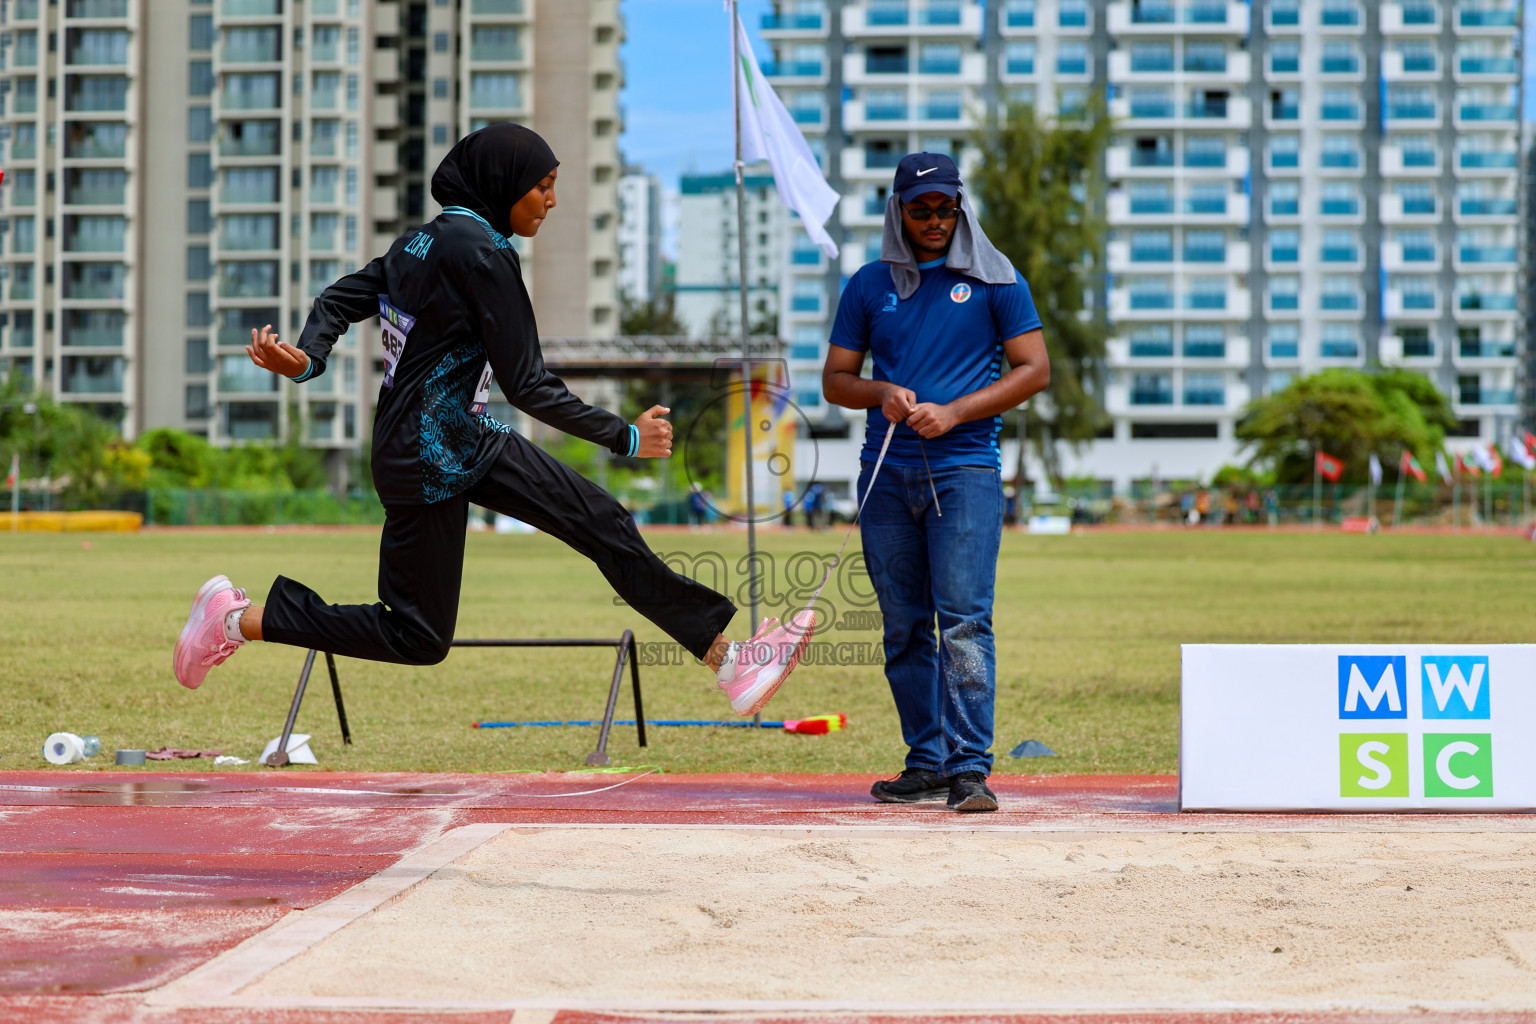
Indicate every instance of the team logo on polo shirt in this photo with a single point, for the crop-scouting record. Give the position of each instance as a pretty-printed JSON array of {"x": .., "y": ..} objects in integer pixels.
[{"x": 960, "y": 292}]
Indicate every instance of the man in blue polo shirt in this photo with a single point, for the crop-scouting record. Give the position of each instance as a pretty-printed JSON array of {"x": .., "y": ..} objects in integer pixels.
[{"x": 939, "y": 313}]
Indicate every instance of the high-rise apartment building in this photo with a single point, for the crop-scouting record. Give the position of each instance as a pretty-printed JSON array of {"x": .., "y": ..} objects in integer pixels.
[
  {"x": 180, "y": 171},
  {"x": 639, "y": 237},
  {"x": 1293, "y": 185},
  {"x": 707, "y": 289}
]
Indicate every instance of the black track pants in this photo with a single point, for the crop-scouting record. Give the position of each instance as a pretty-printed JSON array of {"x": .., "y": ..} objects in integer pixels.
[{"x": 421, "y": 564}]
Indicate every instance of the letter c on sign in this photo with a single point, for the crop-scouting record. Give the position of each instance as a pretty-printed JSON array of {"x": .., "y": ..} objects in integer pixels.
[
  {"x": 1383, "y": 773},
  {"x": 1443, "y": 765}
]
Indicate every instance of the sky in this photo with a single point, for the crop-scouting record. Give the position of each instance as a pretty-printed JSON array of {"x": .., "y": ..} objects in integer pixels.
[{"x": 677, "y": 91}]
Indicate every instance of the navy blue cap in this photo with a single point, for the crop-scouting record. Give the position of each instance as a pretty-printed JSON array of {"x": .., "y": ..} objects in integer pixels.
[{"x": 920, "y": 173}]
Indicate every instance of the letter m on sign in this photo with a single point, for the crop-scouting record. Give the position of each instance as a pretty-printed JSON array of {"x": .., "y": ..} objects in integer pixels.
[{"x": 1373, "y": 686}]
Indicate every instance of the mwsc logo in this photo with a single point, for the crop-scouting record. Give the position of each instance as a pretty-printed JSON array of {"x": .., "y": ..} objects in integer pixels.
[{"x": 1450, "y": 687}]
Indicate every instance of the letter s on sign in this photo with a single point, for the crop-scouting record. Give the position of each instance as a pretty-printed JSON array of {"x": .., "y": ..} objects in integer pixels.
[{"x": 1366, "y": 755}]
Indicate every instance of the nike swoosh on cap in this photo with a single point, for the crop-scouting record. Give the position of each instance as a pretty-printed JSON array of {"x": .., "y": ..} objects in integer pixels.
[{"x": 929, "y": 171}]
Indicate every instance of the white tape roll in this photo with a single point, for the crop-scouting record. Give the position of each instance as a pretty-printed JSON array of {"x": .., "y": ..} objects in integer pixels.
[{"x": 64, "y": 748}]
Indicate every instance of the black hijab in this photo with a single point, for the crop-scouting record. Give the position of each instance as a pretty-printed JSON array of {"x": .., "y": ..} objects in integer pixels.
[{"x": 489, "y": 170}]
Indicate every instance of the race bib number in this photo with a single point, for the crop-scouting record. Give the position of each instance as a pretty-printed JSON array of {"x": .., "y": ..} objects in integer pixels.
[
  {"x": 482, "y": 392},
  {"x": 396, "y": 326}
]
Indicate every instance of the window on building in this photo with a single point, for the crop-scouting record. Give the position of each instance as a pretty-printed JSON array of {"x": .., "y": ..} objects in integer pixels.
[{"x": 200, "y": 78}]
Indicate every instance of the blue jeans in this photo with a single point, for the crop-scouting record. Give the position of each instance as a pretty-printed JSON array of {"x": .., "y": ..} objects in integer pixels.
[{"x": 925, "y": 566}]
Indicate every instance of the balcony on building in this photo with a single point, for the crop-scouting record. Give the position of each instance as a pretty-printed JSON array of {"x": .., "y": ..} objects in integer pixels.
[
  {"x": 1413, "y": 65},
  {"x": 1470, "y": 208},
  {"x": 1470, "y": 344},
  {"x": 1419, "y": 257},
  {"x": 1480, "y": 68},
  {"x": 95, "y": 186},
  {"x": 1470, "y": 18},
  {"x": 1339, "y": 348},
  {"x": 1482, "y": 113},
  {"x": 95, "y": 282},
  {"x": 1486, "y": 301},
  {"x": 1340, "y": 302},
  {"x": 1418, "y": 303},
  {"x": 257, "y": 44},
  {"x": 96, "y": 9},
  {"x": 1151, "y": 389},
  {"x": 93, "y": 375},
  {"x": 794, "y": 69},
  {"x": 1404, "y": 161},
  {"x": 94, "y": 328},
  {"x": 1204, "y": 389},
  {"x": 1338, "y": 111},
  {"x": 1413, "y": 115},
  {"x": 793, "y": 22},
  {"x": 1496, "y": 160},
  {"x": 1131, "y": 17},
  {"x": 1473, "y": 392},
  {"x": 1481, "y": 256},
  {"x": 1403, "y": 17},
  {"x": 1019, "y": 14},
  {"x": 1408, "y": 343},
  {"x": 235, "y": 325},
  {"x": 250, "y": 138},
  {"x": 1415, "y": 209},
  {"x": 899, "y": 18},
  {"x": 1337, "y": 15},
  {"x": 250, "y": 8}
]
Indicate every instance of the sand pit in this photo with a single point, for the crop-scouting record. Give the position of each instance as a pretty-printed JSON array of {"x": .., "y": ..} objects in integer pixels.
[{"x": 670, "y": 916}]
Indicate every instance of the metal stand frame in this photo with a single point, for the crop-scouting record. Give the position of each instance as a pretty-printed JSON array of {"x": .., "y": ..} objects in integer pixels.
[{"x": 626, "y": 652}]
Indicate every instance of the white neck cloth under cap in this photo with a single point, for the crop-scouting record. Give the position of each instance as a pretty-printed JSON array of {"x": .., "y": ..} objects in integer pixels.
[{"x": 971, "y": 252}]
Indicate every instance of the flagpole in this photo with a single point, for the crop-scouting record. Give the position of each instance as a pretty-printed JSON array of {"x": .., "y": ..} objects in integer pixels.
[
  {"x": 1397, "y": 504},
  {"x": 1317, "y": 495},
  {"x": 1456, "y": 496},
  {"x": 15, "y": 493},
  {"x": 746, "y": 343}
]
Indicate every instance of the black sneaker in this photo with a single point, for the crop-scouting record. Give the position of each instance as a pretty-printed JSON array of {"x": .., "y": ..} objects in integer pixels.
[
  {"x": 912, "y": 786},
  {"x": 968, "y": 792}
]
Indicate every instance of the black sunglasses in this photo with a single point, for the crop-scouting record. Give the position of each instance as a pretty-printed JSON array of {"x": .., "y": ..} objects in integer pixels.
[{"x": 923, "y": 214}]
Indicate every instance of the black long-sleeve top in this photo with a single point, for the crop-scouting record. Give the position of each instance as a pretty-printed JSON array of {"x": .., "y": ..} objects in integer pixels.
[{"x": 454, "y": 289}]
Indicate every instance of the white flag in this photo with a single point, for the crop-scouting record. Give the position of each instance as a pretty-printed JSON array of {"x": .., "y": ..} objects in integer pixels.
[
  {"x": 1519, "y": 454},
  {"x": 769, "y": 133},
  {"x": 1442, "y": 467},
  {"x": 1482, "y": 458},
  {"x": 1375, "y": 466}
]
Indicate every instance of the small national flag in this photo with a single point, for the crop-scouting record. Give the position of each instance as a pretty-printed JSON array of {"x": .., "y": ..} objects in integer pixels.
[
  {"x": 1529, "y": 440},
  {"x": 1519, "y": 453},
  {"x": 1442, "y": 467},
  {"x": 1328, "y": 467},
  {"x": 1469, "y": 468},
  {"x": 1411, "y": 467},
  {"x": 1374, "y": 465},
  {"x": 1495, "y": 464},
  {"x": 1482, "y": 458},
  {"x": 15, "y": 474}
]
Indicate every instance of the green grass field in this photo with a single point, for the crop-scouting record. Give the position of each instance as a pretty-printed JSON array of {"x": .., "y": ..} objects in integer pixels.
[{"x": 1088, "y": 627}]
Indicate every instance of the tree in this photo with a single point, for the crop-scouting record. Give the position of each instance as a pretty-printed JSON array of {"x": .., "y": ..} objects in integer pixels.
[
  {"x": 1039, "y": 192},
  {"x": 1348, "y": 414},
  {"x": 654, "y": 317}
]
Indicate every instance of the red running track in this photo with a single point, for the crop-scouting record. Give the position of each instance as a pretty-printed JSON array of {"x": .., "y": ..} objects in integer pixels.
[{"x": 114, "y": 883}]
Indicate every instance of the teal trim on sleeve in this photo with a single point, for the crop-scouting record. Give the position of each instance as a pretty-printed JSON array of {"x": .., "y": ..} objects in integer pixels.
[
  {"x": 634, "y": 441},
  {"x": 309, "y": 371}
]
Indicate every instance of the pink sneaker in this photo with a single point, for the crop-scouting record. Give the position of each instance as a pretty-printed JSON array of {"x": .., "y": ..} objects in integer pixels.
[
  {"x": 202, "y": 643},
  {"x": 752, "y": 672}
]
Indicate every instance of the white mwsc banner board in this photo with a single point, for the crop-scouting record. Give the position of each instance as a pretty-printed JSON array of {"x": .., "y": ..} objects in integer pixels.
[{"x": 1358, "y": 728}]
